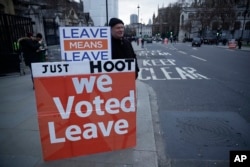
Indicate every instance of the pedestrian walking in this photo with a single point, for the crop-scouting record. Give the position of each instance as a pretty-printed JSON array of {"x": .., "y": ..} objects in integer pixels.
[
  {"x": 239, "y": 43},
  {"x": 42, "y": 48},
  {"x": 121, "y": 47},
  {"x": 142, "y": 43},
  {"x": 29, "y": 47}
]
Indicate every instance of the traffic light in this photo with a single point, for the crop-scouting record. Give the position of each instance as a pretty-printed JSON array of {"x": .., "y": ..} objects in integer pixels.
[{"x": 219, "y": 33}]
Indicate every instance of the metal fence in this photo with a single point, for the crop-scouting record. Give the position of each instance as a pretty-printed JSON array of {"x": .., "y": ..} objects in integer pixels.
[{"x": 11, "y": 29}]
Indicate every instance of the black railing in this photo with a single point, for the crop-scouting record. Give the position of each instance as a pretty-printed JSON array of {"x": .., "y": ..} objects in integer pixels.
[{"x": 11, "y": 29}]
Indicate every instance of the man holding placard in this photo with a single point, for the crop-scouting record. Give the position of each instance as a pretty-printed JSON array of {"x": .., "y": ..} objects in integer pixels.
[
  {"x": 121, "y": 48},
  {"x": 86, "y": 104}
]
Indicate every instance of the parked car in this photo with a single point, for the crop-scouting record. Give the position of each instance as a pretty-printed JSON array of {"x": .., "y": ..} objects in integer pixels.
[
  {"x": 149, "y": 40},
  {"x": 196, "y": 42},
  {"x": 209, "y": 41},
  {"x": 158, "y": 39}
]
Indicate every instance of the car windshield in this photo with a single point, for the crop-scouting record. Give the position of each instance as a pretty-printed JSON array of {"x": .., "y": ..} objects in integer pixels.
[{"x": 196, "y": 39}]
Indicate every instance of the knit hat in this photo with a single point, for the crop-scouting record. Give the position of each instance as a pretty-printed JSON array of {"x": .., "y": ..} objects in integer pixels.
[{"x": 114, "y": 21}]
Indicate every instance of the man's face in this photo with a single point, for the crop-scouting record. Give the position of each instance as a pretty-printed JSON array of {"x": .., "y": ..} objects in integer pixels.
[{"x": 117, "y": 31}]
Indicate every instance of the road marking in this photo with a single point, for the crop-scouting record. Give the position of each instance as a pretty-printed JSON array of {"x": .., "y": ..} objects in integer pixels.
[
  {"x": 232, "y": 50},
  {"x": 182, "y": 52},
  {"x": 172, "y": 48},
  {"x": 198, "y": 58},
  {"x": 147, "y": 53}
]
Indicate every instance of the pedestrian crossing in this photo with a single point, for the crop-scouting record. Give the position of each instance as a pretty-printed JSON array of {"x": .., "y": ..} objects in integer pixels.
[{"x": 146, "y": 53}]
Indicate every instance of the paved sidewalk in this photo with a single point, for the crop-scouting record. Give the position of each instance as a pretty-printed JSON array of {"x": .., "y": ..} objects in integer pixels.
[{"x": 19, "y": 133}]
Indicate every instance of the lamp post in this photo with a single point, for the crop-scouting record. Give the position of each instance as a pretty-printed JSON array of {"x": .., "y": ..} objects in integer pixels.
[
  {"x": 107, "y": 13},
  {"x": 138, "y": 21},
  {"x": 141, "y": 28}
]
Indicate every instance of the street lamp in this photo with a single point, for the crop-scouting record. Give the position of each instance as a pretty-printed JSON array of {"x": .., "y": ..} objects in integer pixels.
[
  {"x": 138, "y": 21},
  {"x": 141, "y": 28},
  {"x": 107, "y": 13}
]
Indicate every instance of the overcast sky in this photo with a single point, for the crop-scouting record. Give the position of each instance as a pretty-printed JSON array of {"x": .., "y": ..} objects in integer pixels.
[{"x": 146, "y": 10}]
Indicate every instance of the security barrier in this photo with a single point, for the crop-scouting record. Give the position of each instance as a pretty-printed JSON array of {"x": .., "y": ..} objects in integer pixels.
[
  {"x": 165, "y": 41},
  {"x": 232, "y": 45}
]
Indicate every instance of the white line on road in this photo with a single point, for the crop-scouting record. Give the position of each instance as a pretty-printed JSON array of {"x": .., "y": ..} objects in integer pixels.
[
  {"x": 182, "y": 52},
  {"x": 232, "y": 50},
  {"x": 198, "y": 58}
]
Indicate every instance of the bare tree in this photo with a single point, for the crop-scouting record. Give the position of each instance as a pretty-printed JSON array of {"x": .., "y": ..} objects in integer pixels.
[
  {"x": 216, "y": 15},
  {"x": 173, "y": 17}
]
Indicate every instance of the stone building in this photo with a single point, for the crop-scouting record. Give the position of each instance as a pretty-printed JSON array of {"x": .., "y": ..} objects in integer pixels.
[
  {"x": 187, "y": 19},
  {"x": 18, "y": 17},
  {"x": 232, "y": 26},
  {"x": 166, "y": 23},
  {"x": 48, "y": 15}
]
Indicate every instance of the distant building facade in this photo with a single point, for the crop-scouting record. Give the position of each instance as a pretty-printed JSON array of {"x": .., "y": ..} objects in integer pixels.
[
  {"x": 166, "y": 23},
  {"x": 133, "y": 18},
  {"x": 48, "y": 15},
  {"x": 236, "y": 27},
  {"x": 189, "y": 22},
  {"x": 97, "y": 10}
]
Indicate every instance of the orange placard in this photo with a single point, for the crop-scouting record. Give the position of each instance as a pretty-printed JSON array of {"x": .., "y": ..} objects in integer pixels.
[{"x": 85, "y": 113}]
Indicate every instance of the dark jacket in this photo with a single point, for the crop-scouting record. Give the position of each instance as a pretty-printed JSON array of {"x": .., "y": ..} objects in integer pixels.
[
  {"x": 29, "y": 48},
  {"x": 122, "y": 49}
]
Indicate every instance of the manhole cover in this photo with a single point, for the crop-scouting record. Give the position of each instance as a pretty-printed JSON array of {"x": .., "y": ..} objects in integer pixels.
[
  {"x": 204, "y": 135},
  {"x": 207, "y": 131}
]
